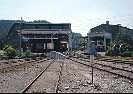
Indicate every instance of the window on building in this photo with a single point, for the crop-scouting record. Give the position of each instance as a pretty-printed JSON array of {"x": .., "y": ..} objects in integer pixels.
[
  {"x": 44, "y": 46},
  {"x": 50, "y": 45}
]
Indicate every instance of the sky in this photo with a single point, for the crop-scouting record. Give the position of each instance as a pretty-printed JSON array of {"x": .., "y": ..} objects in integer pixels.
[{"x": 82, "y": 14}]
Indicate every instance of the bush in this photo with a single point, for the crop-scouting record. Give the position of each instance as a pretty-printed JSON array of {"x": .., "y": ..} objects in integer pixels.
[
  {"x": 109, "y": 53},
  {"x": 2, "y": 53},
  {"x": 20, "y": 54},
  {"x": 126, "y": 54},
  {"x": 27, "y": 53},
  {"x": 112, "y": 53},
  {"x": 10, "y": 51}
]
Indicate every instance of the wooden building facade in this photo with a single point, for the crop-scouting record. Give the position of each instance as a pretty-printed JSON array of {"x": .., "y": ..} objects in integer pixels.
[{"x": 42, "y": 37}]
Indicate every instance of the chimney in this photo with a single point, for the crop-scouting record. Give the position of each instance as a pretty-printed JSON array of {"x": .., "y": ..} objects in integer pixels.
[{"x": 107, "y": 22}]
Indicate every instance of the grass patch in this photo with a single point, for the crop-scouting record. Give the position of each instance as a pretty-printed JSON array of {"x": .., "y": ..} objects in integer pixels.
[{"x": 13, "y": 61}]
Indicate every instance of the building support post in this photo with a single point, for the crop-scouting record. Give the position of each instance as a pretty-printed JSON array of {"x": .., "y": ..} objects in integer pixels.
[{"x": 104, "y": 43}]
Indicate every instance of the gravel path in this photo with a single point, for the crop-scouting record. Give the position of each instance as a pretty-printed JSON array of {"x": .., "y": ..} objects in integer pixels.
[
  {"x": 76, "y": 78},
  {"x": 47, "y": 82},
  {"x": 15, "y": 81}
]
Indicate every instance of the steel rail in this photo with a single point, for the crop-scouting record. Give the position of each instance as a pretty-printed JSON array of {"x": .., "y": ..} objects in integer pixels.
[
  {"x": 128, "y": 77},
  {"x": 1, "y": 69},
  {"x": 117, "y": 61},
  {"x": 60, "y": 73},
  {"x": 29, "y": 85},
  {"x": 109, "y": 66}
]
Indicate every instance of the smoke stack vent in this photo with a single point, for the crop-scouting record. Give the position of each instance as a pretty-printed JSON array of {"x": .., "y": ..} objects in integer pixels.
[{"x": 107, "y": 22}]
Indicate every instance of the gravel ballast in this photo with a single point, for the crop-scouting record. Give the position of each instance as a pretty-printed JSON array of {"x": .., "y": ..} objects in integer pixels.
[
  {"x": 47, "y": 81},
  {"x": 76, "y": 78},
  {"x": 15, "y": 81}
]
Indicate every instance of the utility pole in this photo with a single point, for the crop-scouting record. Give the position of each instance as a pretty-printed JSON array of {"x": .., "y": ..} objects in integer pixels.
[
  {"x": 20, "y": 43},
  {"x": 92, "y": 64},
  {"x": 92, "y": 54}
]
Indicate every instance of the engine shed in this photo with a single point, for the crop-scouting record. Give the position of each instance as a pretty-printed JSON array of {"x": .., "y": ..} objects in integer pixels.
[{"x": 42, "y": 37}]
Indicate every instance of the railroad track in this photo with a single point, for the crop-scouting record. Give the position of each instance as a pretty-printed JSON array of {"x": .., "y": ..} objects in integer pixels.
[
  {"x": 41, "y": 73},
  {"x": 117, "y": 61},
  {"x": 111, "y": 59},
  {"x": 59, "y": 78},
  {"x": 111, "y": 66},
  {"x": 123, "y": 65},
  {"x": 110, "y": 69},
  {"x": 11, "y": 67}
]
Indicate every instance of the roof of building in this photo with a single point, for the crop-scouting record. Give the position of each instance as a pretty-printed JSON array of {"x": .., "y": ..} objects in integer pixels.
[
  {"x": 118, "y": 25},
  {"x": 42, "y": 23}
]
